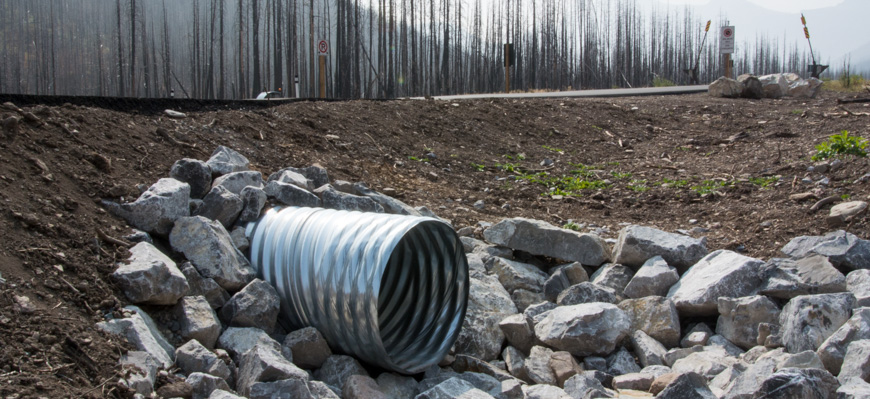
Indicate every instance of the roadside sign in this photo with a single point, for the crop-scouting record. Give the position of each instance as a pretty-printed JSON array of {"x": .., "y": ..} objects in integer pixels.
[
  {"x": 726, "y": 40},
  {"x": 323, "y": 47}
]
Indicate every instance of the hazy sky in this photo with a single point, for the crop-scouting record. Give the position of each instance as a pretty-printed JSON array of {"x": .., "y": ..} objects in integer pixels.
[{"x": 778, "y": 5}]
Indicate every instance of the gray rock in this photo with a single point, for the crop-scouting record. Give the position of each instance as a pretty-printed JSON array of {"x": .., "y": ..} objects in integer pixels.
[
  {"x": 721, "y": 273},
  {"x": 724, "y": 343},
  {"x": 454, "y": 388},
  {"x": 523, "y": 298},
  {"x": 291, "y": 195},
  {"x": 235, "y": 182},
  {"x": 656, "y": 316},
  {"x": 286, "y": 388},
  {"x": 143, "y": 371},
  {"x": 316, "y": 173},
  {"x": 744, "y": 382},
  {"x": 465, "y": 363},
  {"x": 209, "y": 247},
  {"x": 294, "y": 178},
  {"x": 844, "y": 250},
  {"x": 240, "y": 241},
  {"x": 347, "y": 187},
  {"x": 192, "y": 357},
  {"x": 792, "y": 383},
  {"x": 633, "y": 381},
  {"x": 537, "y": 312},
  {"x": 237, "y": 340},
  {"x": 814, "y": 274},
  {"x": 808, "y": 320},
  {"x": 307, "y": 348},
  {"x": 587, "y": 293},
  {"x": 320, "y": 390},
  {"x": 739, "y": 318},
  {"x": 220, "y": 205},
  {"x": 141, "y": 332},
  {"x": 854, "y": 389},
  {"x": 204, "y": 384},
  {"x": 207, "y": 287},
  {"x": 675, "y": 354},
  {"x": 512, "y": 389},
  {"x": 710, "y": 361},
  {"x": 698, "y": 335},
  {"x": 774, "y": 86},
  {"x": 751, "y": 86},
  {"x": 194, "y": 172},
  {"x": 856, "y": 363},
  {"x": 802, "y": 360},
  {"x": 621, "y": 362},
  {"x": 585, "y": 386},
  {"x": 687, "y": 386},
  {"x": 858, "y": 283},
  {"x": 337, "y": 369},
  {"x": 544, "y": 392},
  {"x": 586, "y": 329},
  {"x": 649, "y": 351},
  {"x": 484, "y": 250},
  {"x": 264, "y": 364},
  {"x": 563, "y": 277},
  {"x": 488, "y": 304},
  {"x": 361, "y": 387},
  {"x": 150, "y": 277},
  {"x": 197, "y": 320},
  {"x": 221, "y": 394},
  {"x": 226, "y": 160},
  {"x": 595, "y": 363},
  {"x": 484, "y": 382},
  {"x": 725, "y": 87},
  {"x": 517, "y": 332},
  {"x": 541, "y": 238},
  {"x": 515, "y": 275},
  {"x": 389, "y": 204},
  {"x": 253, "y": 201},
  {"x": 833, "y": 349},
  {"x": 564, "y": 366},
  {"x": 397, "y": 386},
  {"x": 334, "y": 199},
  {"x": 654, "y": 278},
  {"x": 636, "y": 244},
  {"x": 256, "y": 305},
  {"x": 612, "y": 275},
  {"x": 843, "y": 213},
  {"x": 157, "y": 209},
  {"x": 537, "y": 366}
]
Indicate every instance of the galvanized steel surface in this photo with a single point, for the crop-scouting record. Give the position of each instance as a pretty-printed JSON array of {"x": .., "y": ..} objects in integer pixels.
[{"x": 390, "y": 289}]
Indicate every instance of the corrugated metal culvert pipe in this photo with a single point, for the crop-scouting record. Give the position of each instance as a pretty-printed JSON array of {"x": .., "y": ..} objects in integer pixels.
[{"x": 389, "y": 289}]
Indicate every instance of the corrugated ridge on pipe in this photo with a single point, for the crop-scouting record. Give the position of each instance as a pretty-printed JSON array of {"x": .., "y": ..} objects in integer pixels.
[{"x": 389, "y": 289}]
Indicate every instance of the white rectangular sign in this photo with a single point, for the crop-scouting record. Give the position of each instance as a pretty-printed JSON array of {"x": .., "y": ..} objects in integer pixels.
[{"x": 726, "y": 40}]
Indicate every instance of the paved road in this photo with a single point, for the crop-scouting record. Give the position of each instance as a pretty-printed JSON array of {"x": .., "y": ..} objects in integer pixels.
[{"x": 646, "y": 91}]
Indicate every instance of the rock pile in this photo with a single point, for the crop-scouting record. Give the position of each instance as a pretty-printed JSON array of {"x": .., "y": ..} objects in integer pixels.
[
  {"x": 768, "y": 86},
  {"x": 656, "y": 314}
]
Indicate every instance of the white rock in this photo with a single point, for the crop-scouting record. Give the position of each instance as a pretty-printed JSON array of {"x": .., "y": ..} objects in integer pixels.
[
  {"x": 854, "y": 389},
  {"x": 739, "y": 318},
  {"x": 833, "y": 350},
  {"x": 846, "y": 212},
  {"x": 725, "y": 87},
  {"x": 774, "y": 86},
  {"x": 544, "y": 392},
  {"x": 150, "y": 277},
  {"x": 721, "y": 273},
  {"x": 586, "y": 329},
  {"x": 654, "y": 278},
  {"x": 858, "y": 283},
  {"x": 808, "y": 320},
  {"x": 814, "y": 274},
  {"x": 637, "y": 244},
  {"x": 226, "y": 160},
  {"x": 537, "y": 366},
  {"x": 656, "y": 316},
  {"x": 515, "y": 275}
]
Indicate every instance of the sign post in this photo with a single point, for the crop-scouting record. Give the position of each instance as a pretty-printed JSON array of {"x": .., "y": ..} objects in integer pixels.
[
  {"x": 323, "y": 50},
  {"x": 815, "y": 69},
  {"x": 726, "y": 47}
]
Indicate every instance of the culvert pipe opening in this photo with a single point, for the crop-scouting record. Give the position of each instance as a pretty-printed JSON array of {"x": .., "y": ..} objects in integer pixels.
[{"x": 391, "y": 290}]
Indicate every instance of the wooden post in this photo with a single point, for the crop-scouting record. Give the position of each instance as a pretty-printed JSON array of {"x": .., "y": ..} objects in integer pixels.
[
  {"x": 507, "y": 68},
  {"x": 322, "y": 76},
  {"x": 728, "y": 73}
]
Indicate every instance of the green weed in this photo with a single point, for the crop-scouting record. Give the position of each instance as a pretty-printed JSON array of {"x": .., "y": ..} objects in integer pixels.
[
  {"x": 639, "y": 185},
  {"x": 839, "y": 145},
  {"x": 571, "y": 226},
  {"x": 764, "y": 182},
  {"x": 709, "y": 186},
  {"x": 553, "y": 149},
  {"x": 478, "y": 166},
  {"x": 675, "y": 183}
]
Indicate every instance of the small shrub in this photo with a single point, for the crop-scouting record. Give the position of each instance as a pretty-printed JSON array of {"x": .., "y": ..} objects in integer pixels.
[
  {"x": 508, "y": 167},
  {"x": 839, "y": 145},
  {"x": 478, "y": 166},
  {"x": 571, "y": 226},
  {"x": 659, "y": 81},
  {"x": 618, "y": 175}
]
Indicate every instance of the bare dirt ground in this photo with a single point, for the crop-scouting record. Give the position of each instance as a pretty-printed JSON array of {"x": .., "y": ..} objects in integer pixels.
[{"x": 682, "y": 162}]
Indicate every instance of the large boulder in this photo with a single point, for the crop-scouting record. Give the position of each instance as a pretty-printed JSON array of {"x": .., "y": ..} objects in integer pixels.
[
  {"x": 807, "y": 321},
  {"x": 725, "y": 87},
  {"x": 656, "y": 316},
  {"x": 796, "y": 383},
  {"x": 739, "y": 318},
  {"x": 804, "y": 88},
  {"x": 488, "y": 304},
  {"x": 208, "y": 245},
  {"x": 150, "y": 277},
  {"x": 774, "y": 86},
  {"x": 636, "y": 244},
  {"x": 721, "y": 273},
  {"x": 157, "y": 209},
  {"x": 833, "y": 350},
  {"x": 844, "y": 250},
  {"x": 541, "y": 238},
  {"x": 654, "y": 278},
  {"x": 751, "y": 86},
  {"x": 814, "y": 274},
  {"x": 584, "y": 330}
]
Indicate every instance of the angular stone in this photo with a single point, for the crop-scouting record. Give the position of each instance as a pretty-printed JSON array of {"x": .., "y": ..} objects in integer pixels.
[
  {"x": 633, "y": 381},
  {"x": 291, "y": 195},
  {"x": 240, "y": 241},
  {"x": 739, "y": 318},
  {"x": 484, "y": 382},
  {"x": 198, "y": 321},
  {"x": 204, "y": 384},
  {"x": 814, "y": 274},
  {"x": 858, "y": 283},
  {"x": 143, "y": 371},
  {"x": 725, "y": 87},
  {"x": 320, "y": 390},
  {"x": 334, "y": 199},
  {"x": 253, "y": 201},
  {"x": 337, "y": 369},
  {"x": 721, "y": 273},
  {"x": 774, "y": 86},
  {"x": 512, "y": 389},
  {"x": 308, "y": 348},
  {"x": 687, "y": 386},
  {"x": 361, "y": 387},
  {"x": 808, "y": 320},
  {"x": 792, "y": 383},
  {"x": 564, "y": 366},
  {"x": 654, "y": 278},
  {"x": 537, "y": 312},
  {"x": 150, "y": 277},
  {"x": 583, "y": 330},
  {"x": 656, "y": 316},
  {"x": 517, "y": 332},
  {"x": 157, "y": 209},
  {"x": 537, "y": 366},
  {"x": 294, "y": 178},
  {"x": 524, "y": 298},
  {"x": 612, "y": 275},
  {"x": 454, "y": 388},
  {"x": 238, "y": 340},
  {"x": 473, "y": 246},
  {"x": 746, "y": 382},
  {"x": 207, "y": 287},
  {"x": 751, "y": 86},
  {"x": 841, "y": 214},
  {"x": 515, "y": 275},
  {"x": 854, "y": 389},
  {"x": 316, "y": 173},
  {"x": 675, "y": 354},
  {"x": 208, "y": 245},
  {"x": 220, "y": 205},
  {"x": 586, "y": 386},
  {"x": 465, "y": 363},
  {"x": 235, "y": 182},
  {"x": 194, "y": 172},
  {"x": 621, "y": 362},
  {"x": 389, "y": 204},
  {"x": 226, "y": 160},
  {"x": 636, "y": 244},
  {"x": 587, "y": 293},
  {"x": 697, "y": 335},
  {"x": 724, "y": 343},
  {"x": 488, "y": 304},
  {"x": 595, "y": 363},
  {"x": 649, "y": 351},
  {"x": 856, "y": 363},
  {"x": 192, "y": 357},
  {"x": 286, "y": 388},
  {"x": 844, "y": 250},
  {"x": 264, "y": 364},
  {"x": 661, "y": 382},
  {"x": 563, "y": 277},
  {"x": 141, "y": 332},
  {"x": 710, "y": 361},
  {"x": 541, "y": 238},
  {"x": 397, "y": 386},
  {"x": 256, "y": 305},
  {"x": 544, "y": 392}
]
